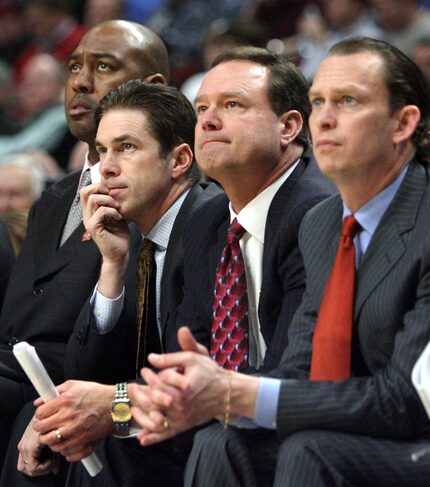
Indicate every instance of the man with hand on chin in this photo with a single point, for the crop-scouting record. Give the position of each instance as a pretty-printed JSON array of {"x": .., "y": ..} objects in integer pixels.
[
  {"x": 56, "y": 270},
  {"x": 149, "y": 176}
]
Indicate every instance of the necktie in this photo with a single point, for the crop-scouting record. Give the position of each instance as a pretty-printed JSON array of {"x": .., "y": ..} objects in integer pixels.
[
  {"x": 332, "y": 341},
  {"x": 75, "y": 213},
  {"x": 229, "y": 343},
  {"x": 145, "y": 304}
]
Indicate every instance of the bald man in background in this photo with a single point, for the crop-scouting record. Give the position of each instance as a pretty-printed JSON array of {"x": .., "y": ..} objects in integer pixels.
[{"x": 56, "y": 270}]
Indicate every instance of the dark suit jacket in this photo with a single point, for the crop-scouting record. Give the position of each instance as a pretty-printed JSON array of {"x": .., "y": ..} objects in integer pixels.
[
  {"x": 48, "y": 285},
  {"x": 391, "y": 322},
  {"x": 7, "y": 259},
  {"x": 110, "y": 358},
  {"x": 283, "y": 273}
]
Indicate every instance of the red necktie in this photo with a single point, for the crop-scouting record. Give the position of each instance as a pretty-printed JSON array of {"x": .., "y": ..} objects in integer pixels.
[
  {"x": 229, "y": 343},
  {"x": 332, "y": 341}
]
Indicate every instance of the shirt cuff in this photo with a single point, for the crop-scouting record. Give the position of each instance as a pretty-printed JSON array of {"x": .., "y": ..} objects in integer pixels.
[
  {"x": 266, "y": 407},
  {"x": 106, "y": 312}
]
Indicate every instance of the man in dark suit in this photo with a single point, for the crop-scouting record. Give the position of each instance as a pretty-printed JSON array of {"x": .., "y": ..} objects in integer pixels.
[
  {"x": 149, "y": 176},
  {"x": 358, "y": 419},
  {"x": 269, "y": 186},
  {"x": 52, "y": 278}
]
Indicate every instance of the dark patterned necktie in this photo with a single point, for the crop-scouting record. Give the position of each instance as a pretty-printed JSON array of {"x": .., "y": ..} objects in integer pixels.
[
  {"x": 145, "y": 269},
  {"x": 332, "y": 340},
  {"x": 230, "y": 327},
  {"x": 75, "y": 213}
]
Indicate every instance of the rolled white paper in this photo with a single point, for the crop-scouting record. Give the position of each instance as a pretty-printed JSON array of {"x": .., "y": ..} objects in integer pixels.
[
  {"x": 36, "y": 372},
  {"x": 421, "y": 382},
  {"x": 421, "y": 378}
]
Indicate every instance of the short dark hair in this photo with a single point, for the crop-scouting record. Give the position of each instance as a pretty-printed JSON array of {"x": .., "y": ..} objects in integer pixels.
[
  {"x": 287, "y": 87},
  {"x": 405, "y": 82},
  {"x": 171, "y": 117}
]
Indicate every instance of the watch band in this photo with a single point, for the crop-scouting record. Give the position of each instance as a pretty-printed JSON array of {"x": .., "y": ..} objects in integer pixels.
[
  {"x": 121, "y": 398},
  {"x": 121, "y": 392}
]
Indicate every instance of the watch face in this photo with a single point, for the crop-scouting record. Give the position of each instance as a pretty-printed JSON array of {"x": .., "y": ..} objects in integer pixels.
[{"x": 121, "y": 412}]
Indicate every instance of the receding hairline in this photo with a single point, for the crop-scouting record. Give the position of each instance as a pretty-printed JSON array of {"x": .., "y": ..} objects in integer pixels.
[{"x": 143, "y": 41}]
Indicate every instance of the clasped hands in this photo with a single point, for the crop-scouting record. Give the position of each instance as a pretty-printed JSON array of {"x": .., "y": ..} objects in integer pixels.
[{"x": 188, "y": 391}]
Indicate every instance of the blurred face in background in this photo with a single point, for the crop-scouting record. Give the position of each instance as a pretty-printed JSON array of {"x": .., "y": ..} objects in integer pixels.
[
  {"x": 421, "y": 55},
  {"x": 42, "y": 84},
  {"x": 97, "y": 11},
  {"x": 16, "y": 189},
  {"x": 342, "y": 13}
]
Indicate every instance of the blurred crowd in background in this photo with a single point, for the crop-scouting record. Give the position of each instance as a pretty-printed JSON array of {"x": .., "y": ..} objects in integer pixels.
[{"x": 37, "y": 37}]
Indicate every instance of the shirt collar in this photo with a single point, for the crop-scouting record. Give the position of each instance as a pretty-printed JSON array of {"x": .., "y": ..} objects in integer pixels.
[
  {"x": 160, "y": 232},
  {"x": 370, "y": 214},
  {"x": 253, "y": 216}
]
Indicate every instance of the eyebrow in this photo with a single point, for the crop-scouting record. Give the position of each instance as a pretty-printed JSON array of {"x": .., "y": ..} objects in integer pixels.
[
  {"x": 119, "y": 139},
  {"x": 226, "y": 94},
  {"x": 97, "y": 55},
  {"x": 337, "y": 90}
]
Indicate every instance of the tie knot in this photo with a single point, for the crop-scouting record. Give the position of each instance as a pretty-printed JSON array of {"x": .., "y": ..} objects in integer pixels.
[
  {"x": 86, "y": 178},
  {"x": 235, "y": 231},
  {"x": 147, "y": 250},
  {"x": 350, "y": 227}
]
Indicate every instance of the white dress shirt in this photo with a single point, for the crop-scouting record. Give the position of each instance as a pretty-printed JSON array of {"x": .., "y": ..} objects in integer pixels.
[
  {"x": 107, "y": 311},
  {"x": 253, "y": 219}
]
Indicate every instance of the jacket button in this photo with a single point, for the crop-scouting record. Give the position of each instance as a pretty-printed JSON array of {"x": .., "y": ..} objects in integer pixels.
[
  {"x": 13, "y": 341},
  {"x": 37, "y": 291}
]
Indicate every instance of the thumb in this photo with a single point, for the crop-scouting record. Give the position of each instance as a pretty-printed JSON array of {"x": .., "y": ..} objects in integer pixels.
[{"x": 188, "y": 342}]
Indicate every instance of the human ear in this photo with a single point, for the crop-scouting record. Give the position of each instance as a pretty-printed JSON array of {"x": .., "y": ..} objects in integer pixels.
[
  {"x": 181, "y": 158},
  {"x": 407, "y": 120},
  {"x": 291, "y": 126},
  {"x": 156, "y": 78}
]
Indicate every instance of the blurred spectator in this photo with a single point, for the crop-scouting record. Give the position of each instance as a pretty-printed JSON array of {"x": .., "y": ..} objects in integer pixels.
[
  {"x": 403, "y": 21},
  {"x": 77, "y": 156},
  {"x": 21, "y": 183},
  {"x": 421, "y": 55},
  {"x": 40, "y": 100},
  {"x": 53, "y": 29},
  {"x": 13, "y": 35},
  {"x": 218, "y": 38},
  {"x": 319, "y": 30},
  {"x": 96, "y": 11},
  {"x": 182, "y": 24},
  {"x": 7, "y": 259},
  {"x": 42, "y": 85},
  {"x": 141, "y": 11},
  {"x": 8, "y": 125},
  {"x": 16, "y": 224},
  {"x": 279, "y": 17}
]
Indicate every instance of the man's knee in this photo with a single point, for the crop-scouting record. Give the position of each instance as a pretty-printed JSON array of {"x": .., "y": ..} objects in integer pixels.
[{"x": 212, "y": 438}]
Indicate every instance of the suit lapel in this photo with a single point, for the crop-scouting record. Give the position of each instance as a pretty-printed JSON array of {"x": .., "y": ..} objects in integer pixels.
[
  {"x": 279, "y": 206},
  {"x": 57, "y": 200},
  {"x": 172, "y": 251},
  {"x": 387, "y": 246}
]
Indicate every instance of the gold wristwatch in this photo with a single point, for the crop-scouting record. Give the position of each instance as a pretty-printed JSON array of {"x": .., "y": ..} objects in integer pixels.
[{"x": 120, "y": 410}]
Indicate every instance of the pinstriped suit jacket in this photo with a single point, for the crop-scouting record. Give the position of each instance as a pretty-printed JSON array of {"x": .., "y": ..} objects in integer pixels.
[{"x": 391, "y": 322}]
